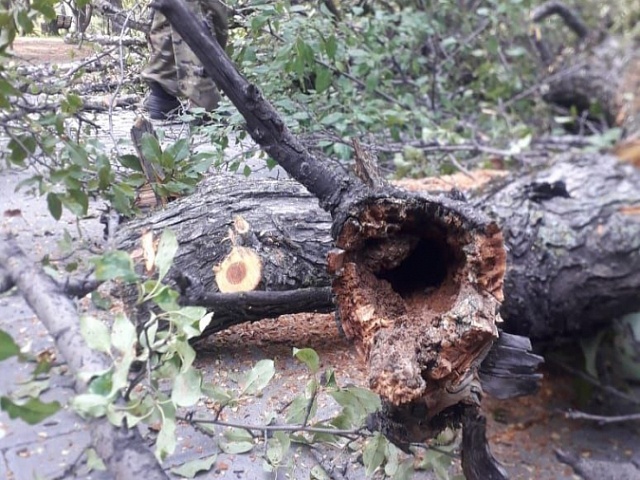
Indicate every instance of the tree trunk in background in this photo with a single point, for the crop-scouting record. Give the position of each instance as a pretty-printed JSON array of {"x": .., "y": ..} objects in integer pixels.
[{"x": 599, "y": 76}]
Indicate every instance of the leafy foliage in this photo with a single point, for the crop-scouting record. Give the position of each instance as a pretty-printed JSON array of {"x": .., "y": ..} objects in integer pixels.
[
  {"x": 25, "y": 402},
  {"x": 404, "y": 72}
]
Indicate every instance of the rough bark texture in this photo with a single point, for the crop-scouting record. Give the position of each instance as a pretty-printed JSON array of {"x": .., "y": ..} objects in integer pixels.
[
  {"x": 122, "y": 450},
  {"x": 287, "y": 229},
  {"x": 119, "y": 18},
  {"x": 572, "y": 263}
]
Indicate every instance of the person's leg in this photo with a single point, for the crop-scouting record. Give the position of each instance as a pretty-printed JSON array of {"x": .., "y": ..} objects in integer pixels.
[
  {"x": 193, "y": 82},
  {"x": 160, "y": 72}
]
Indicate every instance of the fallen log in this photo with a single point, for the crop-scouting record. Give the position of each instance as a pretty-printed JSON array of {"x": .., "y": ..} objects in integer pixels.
[
  {"x": 572, "y": 263},
  {"x": 122, "y": 450}
]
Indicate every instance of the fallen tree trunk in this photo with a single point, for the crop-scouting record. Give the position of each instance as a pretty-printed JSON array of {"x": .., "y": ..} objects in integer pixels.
[
  {"x": 122, "y": 450},
  {"x": 572, "y": 263},
  {"x": 447, "y": 316}
]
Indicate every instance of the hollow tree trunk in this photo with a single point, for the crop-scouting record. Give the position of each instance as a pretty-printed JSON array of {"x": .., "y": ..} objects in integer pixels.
[{"x": 572, "y": 263}]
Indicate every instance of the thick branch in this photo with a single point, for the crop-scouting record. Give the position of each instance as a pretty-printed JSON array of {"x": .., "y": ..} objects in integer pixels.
[
  {"x": 122, "y": 450},
  {"x": 265, "y": 126},
  {"x": 234, "y": 308},
  {"x": 119, "y": 17},
  {"x": 478, "y": 462},
  {"x": 570, "y": 18}
]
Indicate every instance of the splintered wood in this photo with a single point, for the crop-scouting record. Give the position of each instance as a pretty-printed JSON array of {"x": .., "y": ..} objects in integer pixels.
[{"x": 418, "y": 287}]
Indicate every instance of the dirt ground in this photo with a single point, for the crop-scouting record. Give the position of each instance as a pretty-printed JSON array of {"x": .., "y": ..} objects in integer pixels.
[
  {"x": 524, "y": 433},
  {"x": 48, "y": 49}
]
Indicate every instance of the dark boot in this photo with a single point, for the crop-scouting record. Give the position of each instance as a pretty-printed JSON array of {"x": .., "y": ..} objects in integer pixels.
[{"x": 160, "y": 104}]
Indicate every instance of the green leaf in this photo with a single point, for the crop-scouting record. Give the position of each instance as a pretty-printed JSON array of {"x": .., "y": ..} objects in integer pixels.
[
  {"x": 309, "y": 357},
  {"x": 259, "y": 377},
  {"x": 236, "y": 440},
  {"x": 55, "y": 205},
  {"x": 217, "y": 394},
  {"x": 166, "y": 441},
  {"x": 187, "y": 354},
  {"x": 121, "y": 370},
  {"x": 331, "y": 47},
  {"x": 192, "y": 468},
  {"x": 404, "y": 471},
  {"x": 130, "y": 161},
  {"x": 71, "y": 104},
  {"x": 150, "y": 148},
  {"x": 277, "y": 448},
  {"x": 626, "y": 346},
  {"x": 324, "y": 77},
  {"x": 96, "y": 333},
  {"x": 8, "y": 348},
  {"x": 297, "y": 409},
  {"x": 78, "y": 155},
  {"x": 179, "y": 150},
  {"x": 123, "y": 334},
  {"x": 90, "y": 405},
  {"x": 115, "y": 264},
  {"x": 33, "y": 411},
  {"x": 43, "y": 366},
  {"x": 186, "y": 388},
  {"x": 332, "y": 118},
  {"x": 590, "y": 347},
  {"x": 94, "y": 462},
  {"x": 81, "y": 199},
  {"x": 32, "y": 388},
  {"x": 319, "y": 473},
  {"x": 101, "y": 384},
  {"x": 373, "y": 453},
  {"x": 7, "y": 88},
  {"x": 166, "y": 252},
  {"x": 304, "y": 406},
  {"x": 21, "y": 147},
  {"x": 101, "y": 302},
  {"x": 357, "y": 403}
]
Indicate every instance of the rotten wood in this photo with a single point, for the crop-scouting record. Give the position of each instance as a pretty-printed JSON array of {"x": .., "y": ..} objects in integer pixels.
[{"x": 122, "y": 450}]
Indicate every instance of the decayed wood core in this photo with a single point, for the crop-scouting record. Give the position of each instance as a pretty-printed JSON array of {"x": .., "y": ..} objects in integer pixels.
[{"x": 418, "y": 290}]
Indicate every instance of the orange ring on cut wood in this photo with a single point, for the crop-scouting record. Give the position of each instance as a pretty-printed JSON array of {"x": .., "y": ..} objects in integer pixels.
[{"x": 240, "y": 271}]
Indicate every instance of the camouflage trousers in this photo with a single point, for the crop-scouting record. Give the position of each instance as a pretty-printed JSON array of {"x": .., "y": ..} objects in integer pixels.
[{"x": 174, "y": 66}]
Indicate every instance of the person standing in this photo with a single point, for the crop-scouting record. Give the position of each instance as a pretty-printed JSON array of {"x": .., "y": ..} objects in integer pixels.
[{"x": 174, "y": 71}]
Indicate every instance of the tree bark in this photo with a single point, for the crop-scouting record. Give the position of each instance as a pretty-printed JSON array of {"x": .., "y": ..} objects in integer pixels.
[
  {"x": 573, "y": 263},
  {"x": 599, "y": 76},
  {"x": 122, "y": 450}
]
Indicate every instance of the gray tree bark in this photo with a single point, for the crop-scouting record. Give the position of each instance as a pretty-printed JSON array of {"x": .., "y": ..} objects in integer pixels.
[
  {"x": 122, "y": 450},
  {"x": 573, "y": 252}
]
